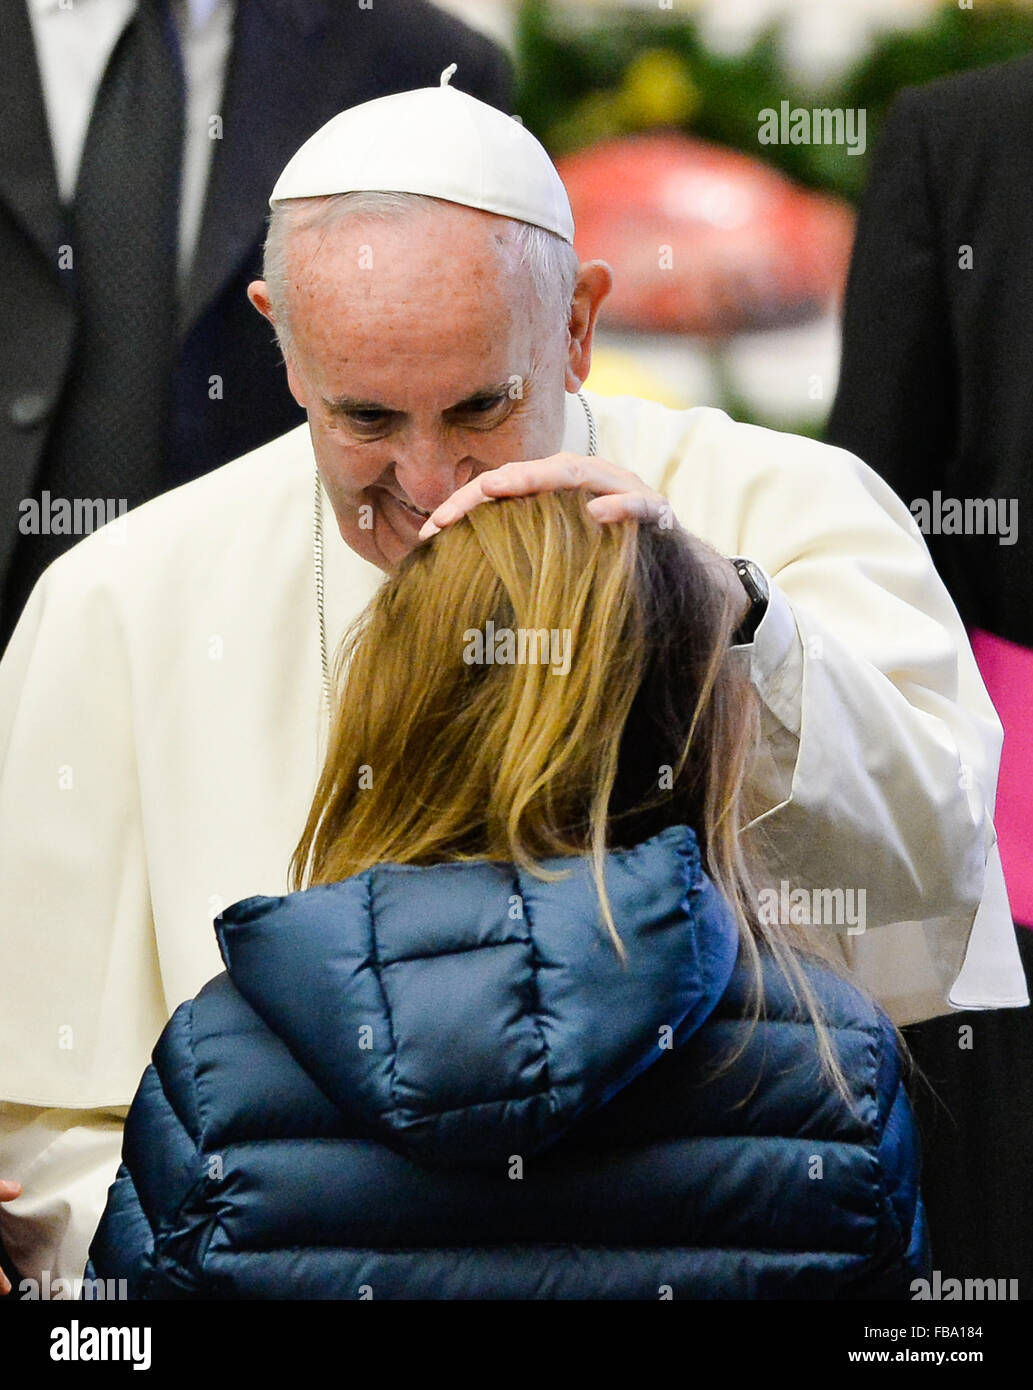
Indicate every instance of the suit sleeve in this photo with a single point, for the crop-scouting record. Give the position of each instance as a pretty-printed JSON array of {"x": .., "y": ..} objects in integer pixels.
[{"x": 893, "y": 402}]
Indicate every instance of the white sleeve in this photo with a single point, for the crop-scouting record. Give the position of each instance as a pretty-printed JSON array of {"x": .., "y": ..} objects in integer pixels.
[
  {"x": 81, "y": 996},
  {"x": 924, "y": 966},
  {"x": 65, "y": 1161},
  {"x": 878, "y": 770},
  {"x": 880, "y": 788}
]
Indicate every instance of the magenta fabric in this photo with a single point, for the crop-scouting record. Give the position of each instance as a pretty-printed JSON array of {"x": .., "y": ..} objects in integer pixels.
[{"x": 1007, "y": 670}]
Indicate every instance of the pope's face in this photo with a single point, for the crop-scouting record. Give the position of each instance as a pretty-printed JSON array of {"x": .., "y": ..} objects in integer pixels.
[{"x": 422, "y": 358}]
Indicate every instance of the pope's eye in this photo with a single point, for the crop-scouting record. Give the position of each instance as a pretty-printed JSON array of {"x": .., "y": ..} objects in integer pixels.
[
  {"x": 367, "y": 419},
  {"x": 485, "y": 403}
]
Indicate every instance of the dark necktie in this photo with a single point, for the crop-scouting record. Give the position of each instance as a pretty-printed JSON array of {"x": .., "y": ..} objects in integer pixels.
[{"x": 109, "y": 439}]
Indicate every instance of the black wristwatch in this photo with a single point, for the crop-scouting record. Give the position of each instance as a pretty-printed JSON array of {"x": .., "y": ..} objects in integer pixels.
[{"x": 754, "y": 582}]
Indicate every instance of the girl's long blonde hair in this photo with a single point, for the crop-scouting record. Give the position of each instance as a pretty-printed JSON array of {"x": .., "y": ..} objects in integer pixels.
[{"x": 436, "y": 756}]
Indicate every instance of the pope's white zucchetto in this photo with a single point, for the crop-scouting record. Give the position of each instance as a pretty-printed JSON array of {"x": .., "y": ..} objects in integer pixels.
[{"x": 437, "y": 141}]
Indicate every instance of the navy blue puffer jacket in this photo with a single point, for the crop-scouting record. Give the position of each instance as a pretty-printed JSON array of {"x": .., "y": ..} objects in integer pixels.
[{"x": 442, "y": 1083}]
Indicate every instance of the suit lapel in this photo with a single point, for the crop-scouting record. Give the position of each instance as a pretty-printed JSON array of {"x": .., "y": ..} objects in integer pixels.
[{"x": 28, "y": 182}]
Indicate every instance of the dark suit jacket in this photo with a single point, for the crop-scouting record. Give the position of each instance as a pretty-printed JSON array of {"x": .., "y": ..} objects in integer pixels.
[
  {"x": 293, "y": 65},
  {"x": 936, "y": 383}
]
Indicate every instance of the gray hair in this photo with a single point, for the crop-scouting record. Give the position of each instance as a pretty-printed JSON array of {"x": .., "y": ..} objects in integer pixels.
[{"x": 551, "y": 262}]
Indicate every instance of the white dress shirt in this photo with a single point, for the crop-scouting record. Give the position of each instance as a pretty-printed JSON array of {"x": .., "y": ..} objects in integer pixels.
[
  {"x": 162, "y": 730},
  {"x": 74, "y": 40}
]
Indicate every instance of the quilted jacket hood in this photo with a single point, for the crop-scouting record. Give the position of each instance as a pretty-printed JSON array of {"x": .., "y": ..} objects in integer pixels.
[{"x": 464, "y": 1013}]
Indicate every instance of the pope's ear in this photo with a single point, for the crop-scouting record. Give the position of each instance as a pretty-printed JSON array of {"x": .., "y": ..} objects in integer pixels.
[
  {"x": 594, "y": 281},
  {"x": 258, "y": 293}
]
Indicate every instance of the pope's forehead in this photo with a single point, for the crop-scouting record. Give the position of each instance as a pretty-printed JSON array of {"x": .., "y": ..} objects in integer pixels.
[
  {"x": 378, "y": 305},
  {"x": 447, "y": 254}
]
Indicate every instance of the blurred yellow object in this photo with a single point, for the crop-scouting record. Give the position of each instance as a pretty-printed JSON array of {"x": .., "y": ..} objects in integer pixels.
[
  {"x": 657, "y": 90},
  {"x": 595, "y": 117},
  {"x": 616, "y": 373}
]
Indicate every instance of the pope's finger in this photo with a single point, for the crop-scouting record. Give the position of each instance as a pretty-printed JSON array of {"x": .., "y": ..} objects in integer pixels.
[
  {"x": 527, "y": 476},
  {"x": 557, "y": 472},
  {"x": 511, "y": 480},
  {"x": 628, "y": 506},
  {"x": 462, "y": 501}
]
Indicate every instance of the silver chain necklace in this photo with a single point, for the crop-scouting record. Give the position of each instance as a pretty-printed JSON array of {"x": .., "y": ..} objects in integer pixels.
[{"x": 317, "y": 555}]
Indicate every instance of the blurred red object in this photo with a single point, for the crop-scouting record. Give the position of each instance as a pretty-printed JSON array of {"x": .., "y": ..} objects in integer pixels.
[{"x": 703, "y": 239}]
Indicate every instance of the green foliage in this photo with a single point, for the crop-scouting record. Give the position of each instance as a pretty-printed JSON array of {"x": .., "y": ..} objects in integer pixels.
[{"x": 579, "y": 81}]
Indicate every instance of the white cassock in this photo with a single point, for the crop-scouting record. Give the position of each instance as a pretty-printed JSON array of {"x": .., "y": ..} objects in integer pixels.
[{"x": 162, "y": 724}]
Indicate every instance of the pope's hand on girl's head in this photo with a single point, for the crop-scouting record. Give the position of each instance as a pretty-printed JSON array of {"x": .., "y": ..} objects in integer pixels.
[{"x": 618, "y": 494}]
